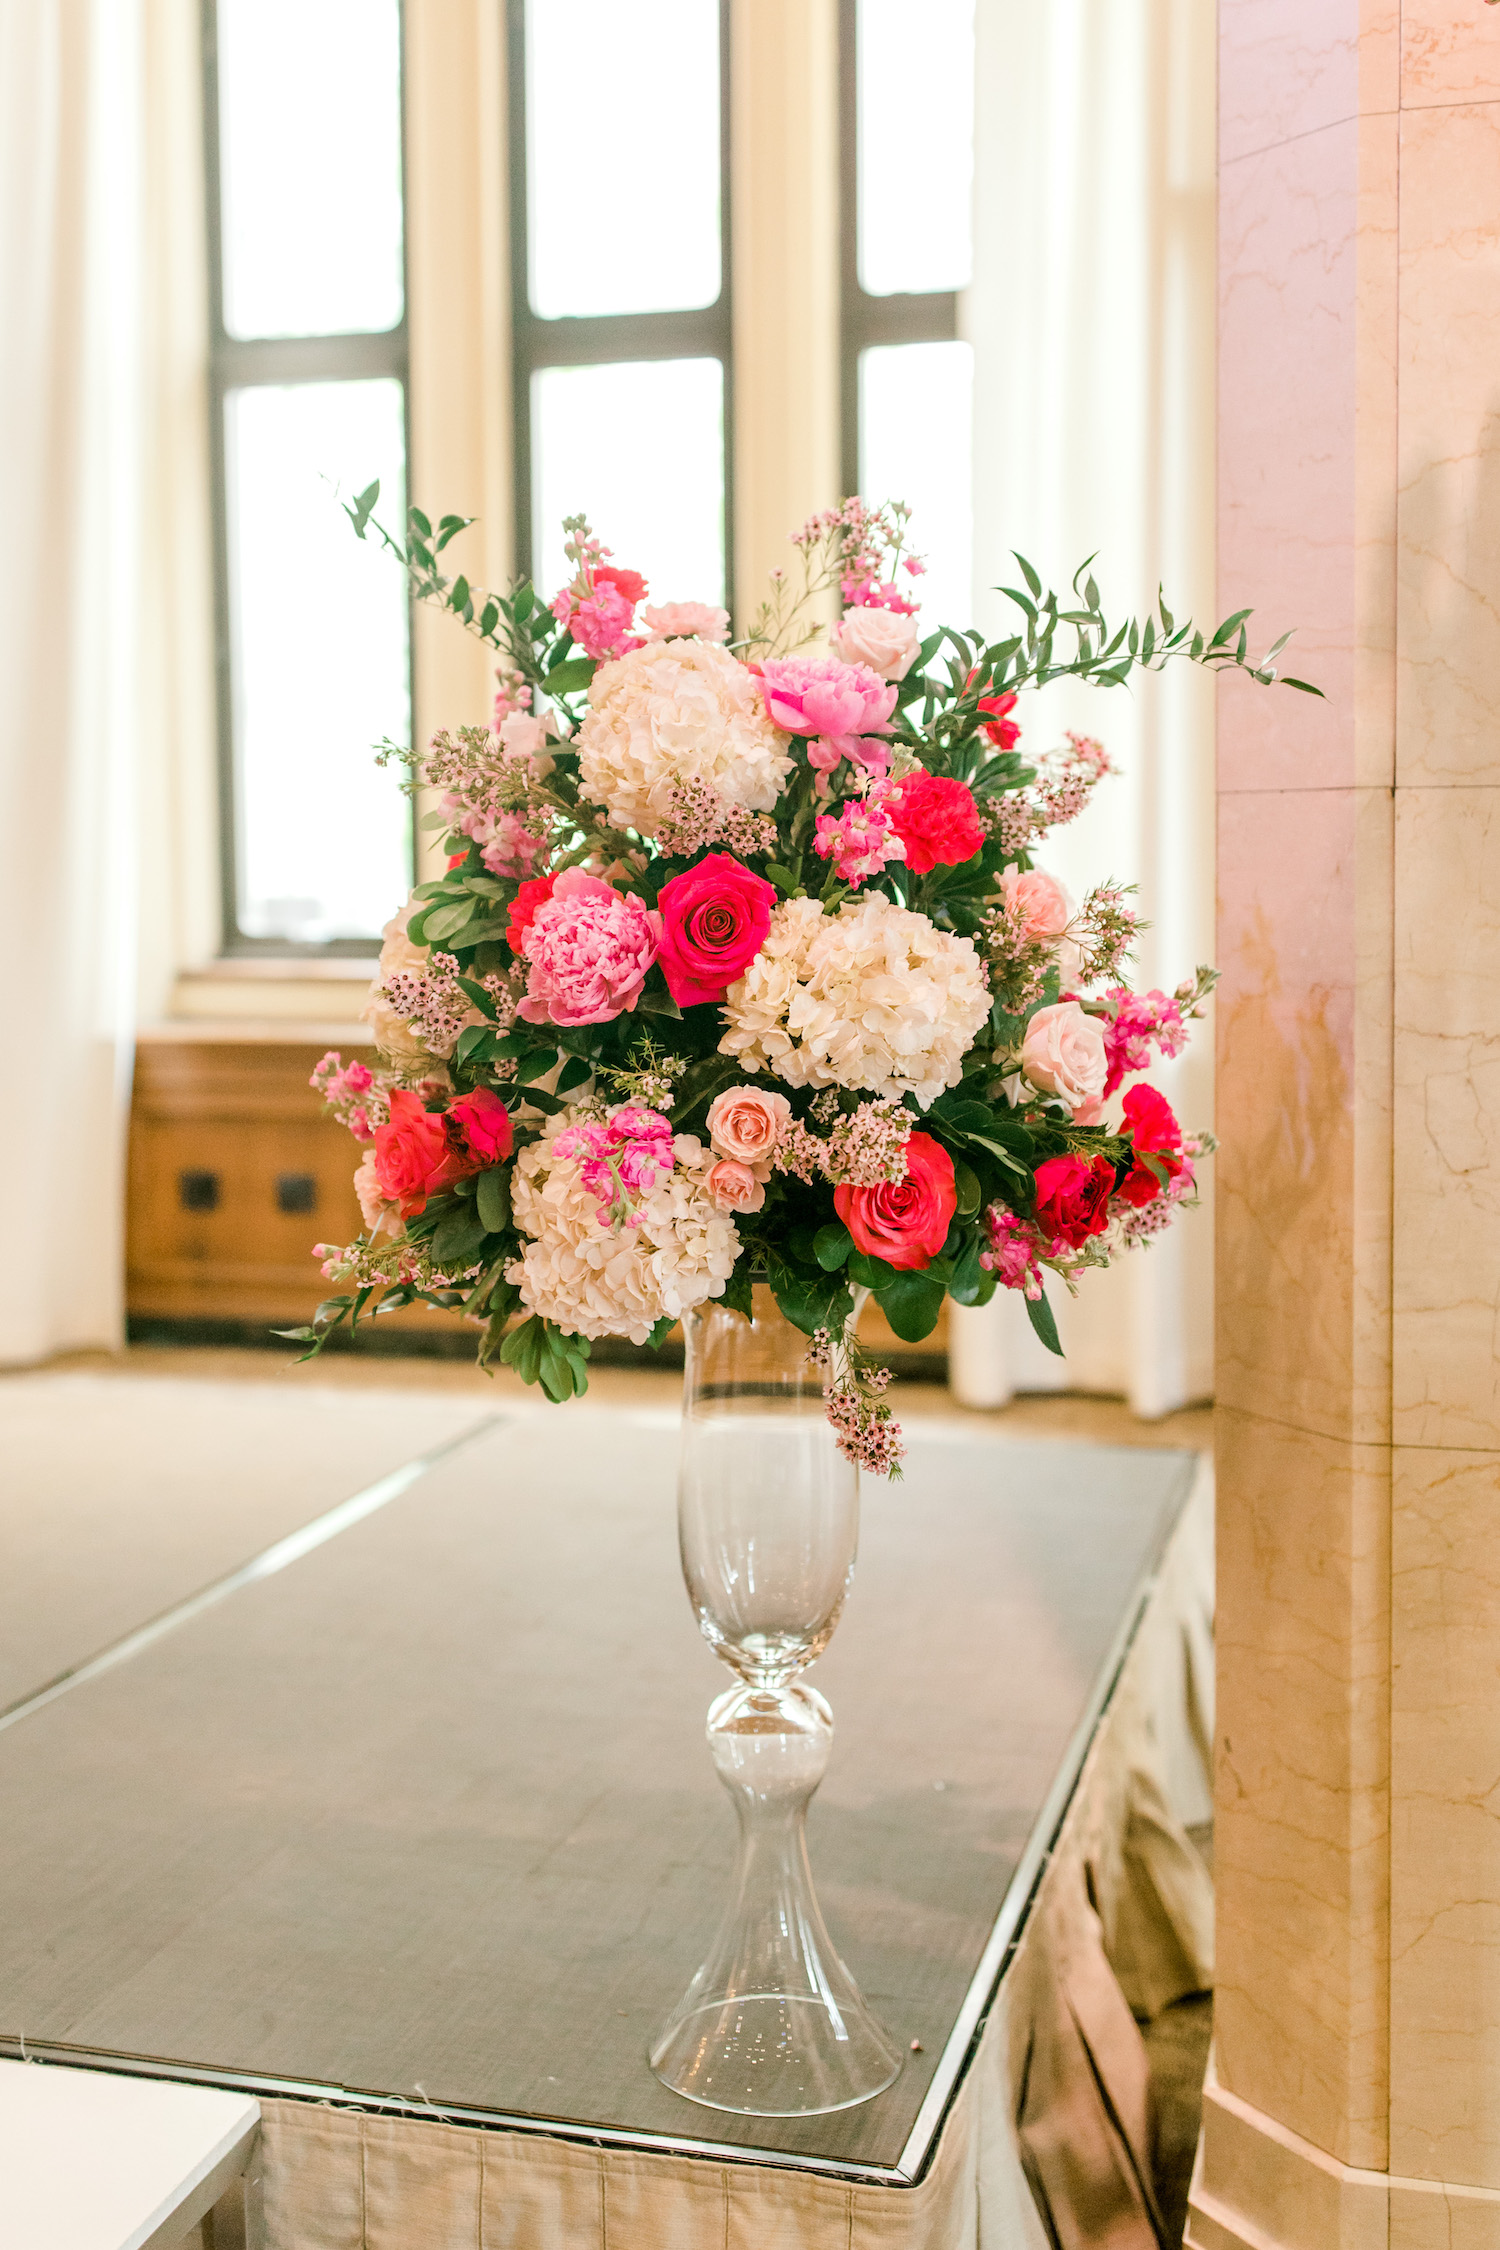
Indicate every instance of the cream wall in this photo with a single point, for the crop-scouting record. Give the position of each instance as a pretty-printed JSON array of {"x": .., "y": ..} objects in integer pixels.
[{"x": 1358, "y": 1856}]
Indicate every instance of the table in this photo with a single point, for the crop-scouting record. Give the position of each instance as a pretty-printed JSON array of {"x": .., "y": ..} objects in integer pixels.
[
  {"x": 90, "y": 2161},
  {"x": 422, "y": 1826}
]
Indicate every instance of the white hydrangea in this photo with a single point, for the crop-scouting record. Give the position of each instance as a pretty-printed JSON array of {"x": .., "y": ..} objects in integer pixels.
[
  {"x": 595, "y": 1280},
  {"x": 875, "y": 998},
  {"x": 671, "y": 712}
]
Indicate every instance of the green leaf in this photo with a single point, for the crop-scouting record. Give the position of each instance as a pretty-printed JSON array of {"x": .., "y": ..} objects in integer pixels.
[
  {"x": 536, "y": 1066},
  {"x": 573, "y": 1073},
  {"x": 440, "y": 922},
  {"x": 659, "y": 1004},
  {"x": 969, "y": 1276},
  {"x": 483, "y": 1001},
  {"x": 1028, "y": 573},
  {"x": 866, "y": 1272},
  {"x": 492, "y": 1199},
  {"x": 661, "y": 1330},
  {"x": 969, "y": 1192},
  {"x": 832, "y": 1245},
  {"x": 911, "y": 1303},
  {"x": 459, "y": 1239},
  {"x": 1306, "y": 686},
  {"x": 811, "y": 1302},
  {"x": 567, "y": 678},
  {"x": 737, "y": 1290},
  {"x": 1228, "y": 629},
  {"x": 1039, "y": 1313},
  {"x": 297, "y": 1335},
  {"x": 785, "y": 881}
]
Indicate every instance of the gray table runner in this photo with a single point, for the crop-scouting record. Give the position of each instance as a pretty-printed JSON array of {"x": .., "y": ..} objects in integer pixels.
[{"x": 428, "y": 1814}]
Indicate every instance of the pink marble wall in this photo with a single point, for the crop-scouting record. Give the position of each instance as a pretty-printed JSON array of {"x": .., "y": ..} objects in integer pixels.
[{"x": 1358, "y": 1853}]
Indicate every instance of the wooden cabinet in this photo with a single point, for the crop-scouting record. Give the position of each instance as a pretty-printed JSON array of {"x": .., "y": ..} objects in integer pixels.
[{"x": 236, "y": 1170}]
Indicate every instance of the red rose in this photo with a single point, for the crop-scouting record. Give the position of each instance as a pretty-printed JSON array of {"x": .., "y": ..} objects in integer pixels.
[
  {"x": 528, "y": 898},
  {"x": 904, "y": 1221},
  {"x": 630, "y": 583},
  {"x": 936, "y": 819},
  {"x": 1072, "y": 1198},
  {"x": 1154, "y": 1131},
  {"x": 485, "y": 1124},
  {"x": 714, "y": 921},
  {"x": 413, "y": 1158}
]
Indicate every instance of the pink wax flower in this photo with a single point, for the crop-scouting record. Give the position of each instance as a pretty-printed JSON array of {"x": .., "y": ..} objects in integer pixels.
[
  {"x": 620, "y": 1158},
  {"x": 819, "y": 695},
  {"x": 589, "y": 947},
  {"x": 860, "y": 841}
]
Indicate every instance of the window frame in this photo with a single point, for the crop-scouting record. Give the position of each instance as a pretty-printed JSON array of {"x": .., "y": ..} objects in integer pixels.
[
  {"x": 237, "y": 363},
  {"x": 604, "y": 339},
  {"x": 908, "y": 317}
]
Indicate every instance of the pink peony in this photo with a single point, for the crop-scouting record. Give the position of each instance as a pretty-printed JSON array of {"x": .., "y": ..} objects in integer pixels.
[
  {"x": 1064, "y": 1054},
  {"x": 683, "y": 621},
  {"x": 745, "y": 1123},
  {"x": 589, "y": 947},
  {"x": 819, "y": 695},
  {"x": 734, "y": 1187},
  {"x": 714, "y": 920}
]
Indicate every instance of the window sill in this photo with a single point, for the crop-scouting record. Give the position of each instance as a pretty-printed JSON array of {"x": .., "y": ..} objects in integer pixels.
[{"x": 266, "y": 994}]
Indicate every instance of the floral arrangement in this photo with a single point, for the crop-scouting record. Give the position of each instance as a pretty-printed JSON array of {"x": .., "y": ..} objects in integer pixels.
[{"x": 743, "y": 968}]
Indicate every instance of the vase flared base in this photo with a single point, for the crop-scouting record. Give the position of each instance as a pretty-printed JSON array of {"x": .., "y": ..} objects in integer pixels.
[{"x": 770, "y": 2054}]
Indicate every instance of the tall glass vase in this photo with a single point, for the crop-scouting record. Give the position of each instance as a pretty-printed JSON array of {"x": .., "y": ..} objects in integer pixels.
[{"x": 773, "y": 2024}]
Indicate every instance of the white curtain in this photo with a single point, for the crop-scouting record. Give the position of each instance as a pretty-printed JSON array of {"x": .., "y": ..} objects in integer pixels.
[
  {"x": 1092, "y": 317},
  {"x": 87, "y": 714}
]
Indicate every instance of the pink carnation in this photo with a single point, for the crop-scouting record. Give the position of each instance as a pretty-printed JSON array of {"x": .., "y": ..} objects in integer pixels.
[
  {"x": 589, "y": 947},
  {"x": 819, "y": 695}
]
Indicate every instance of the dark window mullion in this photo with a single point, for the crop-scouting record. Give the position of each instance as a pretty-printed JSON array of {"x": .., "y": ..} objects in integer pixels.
[{"x": 310, "y": 359}]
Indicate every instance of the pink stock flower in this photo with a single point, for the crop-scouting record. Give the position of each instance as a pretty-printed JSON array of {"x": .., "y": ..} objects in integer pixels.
[
  {"x": 1013, "y": 1251},
  {"x": 599, "y": 623},
  {"x": 620, "y": 1159},
  {"x": 512, "y": 851},
  {"x": 1138, "y": 1021},
  {"x": 860, "y": 841},
  {"x": 820, "y": 695},
  {"x": 589, "y": 947}
]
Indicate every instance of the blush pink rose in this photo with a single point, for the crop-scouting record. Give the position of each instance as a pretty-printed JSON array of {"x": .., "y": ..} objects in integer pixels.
[
  {"x": 1064, "y": 1053},
  {"x": 884, "y": 639},
  {"x": 1043, "y": 902},
  {"x": 819, "y": 695},
  {"x": 714, "y": 920},
  {"x": 734, "y": 1187},
  {"x": 589, "y": 947},
  {"x": 745, "y": 1123}
]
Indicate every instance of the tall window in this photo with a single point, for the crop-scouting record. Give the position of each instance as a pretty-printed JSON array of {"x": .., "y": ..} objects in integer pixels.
[
  {"x": 620, "y": 284},
  {"x": 907, "y": 143},
  {"x": 308, "y": 351}
]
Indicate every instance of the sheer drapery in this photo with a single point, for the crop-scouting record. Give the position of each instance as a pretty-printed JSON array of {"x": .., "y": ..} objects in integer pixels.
[
  {"x": 1092, "y": 319},
  {"x": 93, "y": 695}
]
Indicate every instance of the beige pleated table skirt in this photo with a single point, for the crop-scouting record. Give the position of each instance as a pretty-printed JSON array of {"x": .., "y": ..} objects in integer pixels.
[{"x": 408, "y": 1828}]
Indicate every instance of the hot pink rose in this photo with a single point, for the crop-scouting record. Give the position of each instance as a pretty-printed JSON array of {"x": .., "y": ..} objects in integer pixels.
[
  {"x": 714, "y": 921},
  {"x": 485, "y": 1124},
  {"x": 745, "y": 1123},
  {"x": 904, "y": 1221},
  {"x": 589, "y": 947},
  {"x": 413, "y": 1156},
  {"x": 1072, "y": 1198},
  {"x": 734, "y": 1187},
  {"x": 1064, "y": 1053},
  {"x": 819, "y": 695}
]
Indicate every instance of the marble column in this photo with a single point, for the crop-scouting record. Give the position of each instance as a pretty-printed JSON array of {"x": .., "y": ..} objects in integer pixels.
[{"x": 1358, "y": 1796}]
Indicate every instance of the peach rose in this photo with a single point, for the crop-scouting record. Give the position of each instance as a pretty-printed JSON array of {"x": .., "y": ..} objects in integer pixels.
[
  {"x": 381, "y": 1218},
  {"x": 1047, "y": 911},
  {"x": 882, "y": 638},
  {"x": 744, "y": 1124},
  {"x": 1064, "y": 1053},
  {"x": 734, "y": 1187}
]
